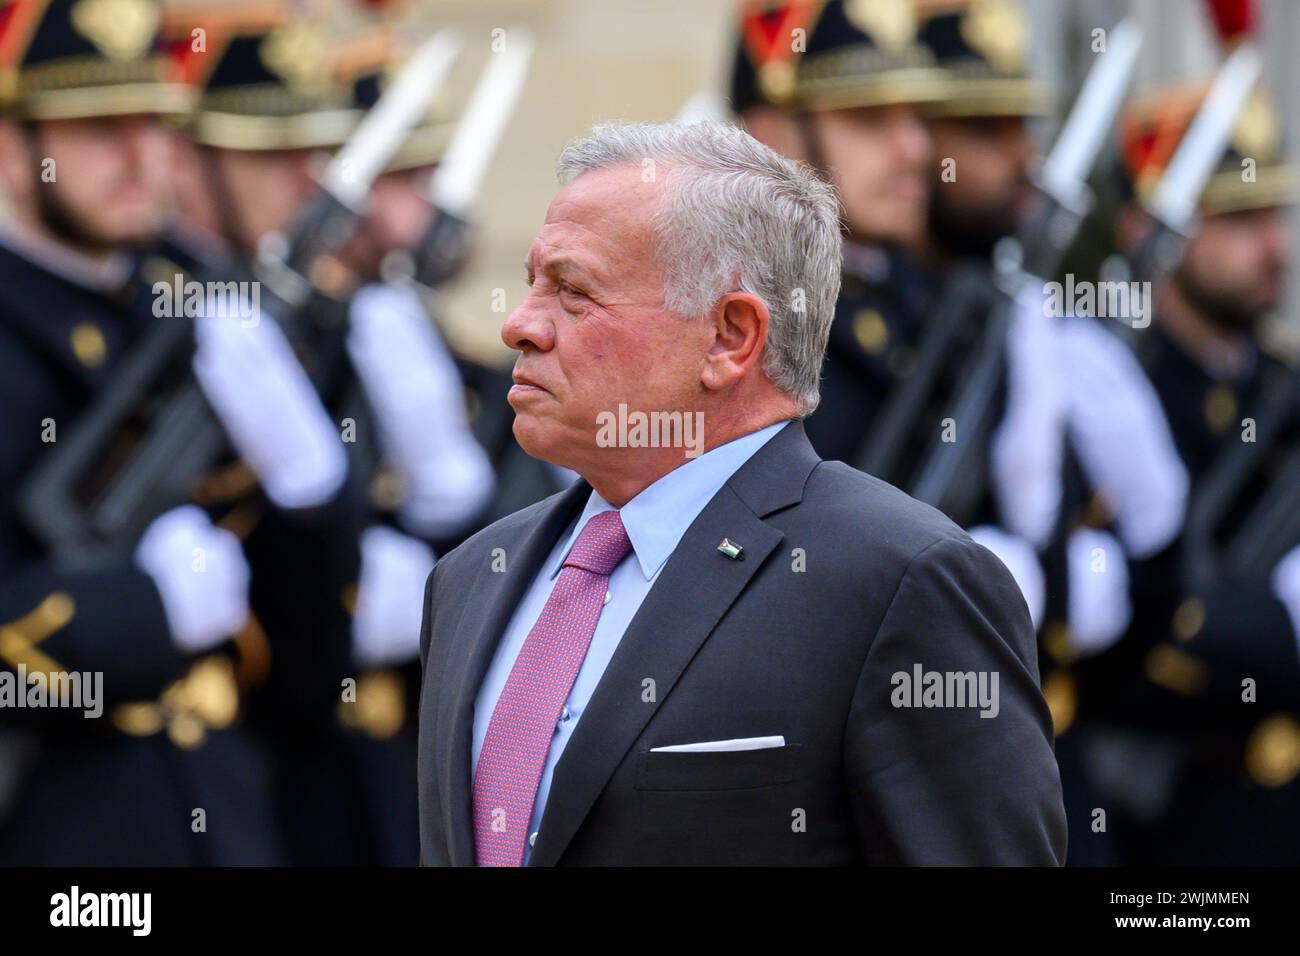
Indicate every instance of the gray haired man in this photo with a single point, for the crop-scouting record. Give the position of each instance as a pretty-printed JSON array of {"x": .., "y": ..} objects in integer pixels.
[{"x": 715, "y": 648}]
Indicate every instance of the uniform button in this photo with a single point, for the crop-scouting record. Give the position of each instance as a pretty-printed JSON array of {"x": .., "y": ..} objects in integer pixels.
[
  {"x": 88, "y": 344},
  {"x": 870, "y": 330},
  {"x": 532, "y": 838}
]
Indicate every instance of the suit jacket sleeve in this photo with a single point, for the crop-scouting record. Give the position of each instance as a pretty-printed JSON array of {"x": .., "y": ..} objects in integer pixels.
[
  {"x": 945, "y": 785},
  {"x": 433, "y": 840}
]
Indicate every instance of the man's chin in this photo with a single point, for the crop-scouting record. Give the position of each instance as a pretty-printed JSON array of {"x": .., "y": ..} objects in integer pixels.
[
  {"x": 139, "y": 231},
  {"x": 1231, "y": 312},
  {"x": 902, "y": 228},
  {"x": 531, "y": 435}
]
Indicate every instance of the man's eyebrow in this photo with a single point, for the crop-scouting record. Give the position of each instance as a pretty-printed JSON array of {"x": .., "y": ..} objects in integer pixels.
[{"x": 562, "y": 263}]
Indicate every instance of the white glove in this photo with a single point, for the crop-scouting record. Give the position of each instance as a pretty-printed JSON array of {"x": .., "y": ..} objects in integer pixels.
[
  {"x": 390, "y": 600},
  {"x": 414, "y": 387},
  {"x": 1286, "y": 585},
  {"x": 1099, "y": 605},
  {"x": 1123, "y": 438},
  {"x": 1022, "y": 561},
  {"x": 1029, "y": 442},
  {"x": 201, "y": 575},
  {"x": 270, "y": 410}
]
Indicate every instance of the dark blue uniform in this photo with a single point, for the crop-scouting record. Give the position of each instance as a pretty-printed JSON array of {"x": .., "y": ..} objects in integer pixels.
[{"x": 123, "y": 788}]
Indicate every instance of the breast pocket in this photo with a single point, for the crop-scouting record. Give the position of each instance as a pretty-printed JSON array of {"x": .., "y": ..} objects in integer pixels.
[{"x": 717, "y": 770}]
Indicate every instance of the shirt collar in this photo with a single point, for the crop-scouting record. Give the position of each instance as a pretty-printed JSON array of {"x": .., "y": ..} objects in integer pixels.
[
  {"x": 657, "y": 518},
  {"x": 106, "y": 275}
]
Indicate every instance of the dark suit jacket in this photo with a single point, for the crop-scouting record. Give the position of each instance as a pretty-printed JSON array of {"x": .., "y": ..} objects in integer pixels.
[{"x": 757, "y": 647}]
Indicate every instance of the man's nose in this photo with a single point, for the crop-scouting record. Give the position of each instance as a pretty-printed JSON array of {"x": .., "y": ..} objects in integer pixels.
[
  {"x": 910, "y": 136},
  {"x": 148, "y": 140},
  {"x": 528, "y": 327}
]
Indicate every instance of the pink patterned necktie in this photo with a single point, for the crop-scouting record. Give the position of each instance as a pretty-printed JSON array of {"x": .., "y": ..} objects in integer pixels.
[{"x": 519, "y": 734}]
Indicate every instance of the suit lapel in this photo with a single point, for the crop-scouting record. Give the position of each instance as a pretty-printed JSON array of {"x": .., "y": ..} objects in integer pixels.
[
  {"x": 696, "y": 588},
  {"x": 489, "y": 606}
]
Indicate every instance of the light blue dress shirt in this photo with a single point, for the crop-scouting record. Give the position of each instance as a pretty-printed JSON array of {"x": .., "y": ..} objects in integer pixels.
[{"x": 655, "y": 521}]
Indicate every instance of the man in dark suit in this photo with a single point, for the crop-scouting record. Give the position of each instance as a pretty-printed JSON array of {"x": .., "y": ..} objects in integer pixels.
[{"x": 715, "y": 648}]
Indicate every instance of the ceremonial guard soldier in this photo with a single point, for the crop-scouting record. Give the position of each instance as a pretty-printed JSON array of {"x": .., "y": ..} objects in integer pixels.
[
  {"x": 278, "y": 94},
  {"x": 1192, "y": 716},
  {"x": 1032, "y": 503},
  {"x": 159, "y": 770},
  {"x": 838, "y": 84},
  {"x": 428, "y": 483}
]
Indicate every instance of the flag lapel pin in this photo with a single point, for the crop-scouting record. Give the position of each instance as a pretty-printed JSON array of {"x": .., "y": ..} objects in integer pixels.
[{"x": 733, "y": 551}]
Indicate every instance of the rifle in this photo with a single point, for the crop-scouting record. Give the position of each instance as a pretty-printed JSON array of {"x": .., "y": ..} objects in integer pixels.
[
  {"x": 452, "y": 192},
  {"x": 1271, "y": 527},
  {"x": 453, "y": 188},
  {"x": 1172, "y": 210},
  {"x": 91, "y": 496},
  {"x": 1022, "y": 265}
]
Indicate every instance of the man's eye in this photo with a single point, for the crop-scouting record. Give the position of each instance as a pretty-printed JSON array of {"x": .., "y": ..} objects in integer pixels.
[{"x": 569, "y": 290}]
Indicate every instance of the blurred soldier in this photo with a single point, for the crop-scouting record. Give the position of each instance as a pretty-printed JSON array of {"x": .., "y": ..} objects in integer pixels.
[
  {"x": 429, "y": 483},
  {"x": 270, "y": 109},
  {"x": 1194, "y": 736},
  {"x": 957, "y": 69},
  {"x": 387, "y": 246},
  {"x": 837, "y": 84},
  {"x": 165, "y": 775},
  {"x": 979, "y": 195},
  {"x": 1033, "y": 510},
  {"x": 979, "y": 180},
  {"x": 434, "y": 479}
]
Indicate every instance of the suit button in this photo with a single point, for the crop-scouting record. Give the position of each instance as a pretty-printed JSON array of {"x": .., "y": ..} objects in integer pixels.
[
  {"x": 532, "y": 838},
  {"x": 608, "y": 597}
]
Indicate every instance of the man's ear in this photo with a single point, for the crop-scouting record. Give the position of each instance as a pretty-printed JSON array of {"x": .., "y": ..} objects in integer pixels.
[{"x": 740, "y": 322}]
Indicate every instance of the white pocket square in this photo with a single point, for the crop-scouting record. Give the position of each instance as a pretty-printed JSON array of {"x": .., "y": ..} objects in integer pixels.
[{"x": 715, "y": 746}]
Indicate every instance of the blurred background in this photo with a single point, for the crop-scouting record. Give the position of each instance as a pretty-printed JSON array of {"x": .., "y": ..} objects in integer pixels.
[{"x": 240, "y": 591}]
